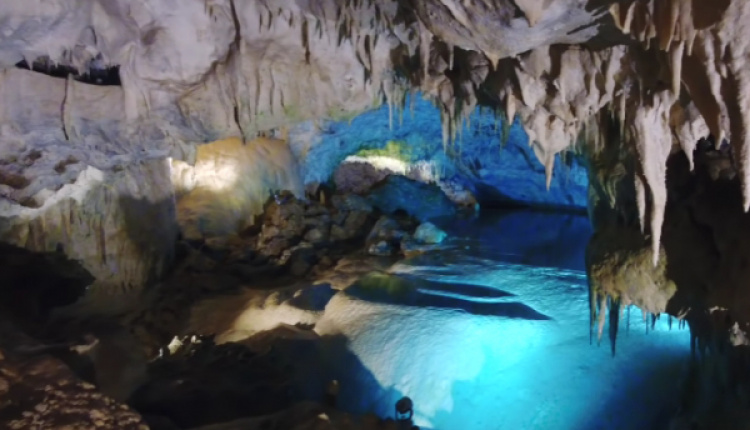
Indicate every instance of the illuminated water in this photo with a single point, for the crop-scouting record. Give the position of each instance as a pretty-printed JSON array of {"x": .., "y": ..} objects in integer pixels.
[{"x": 493, "y": 334}]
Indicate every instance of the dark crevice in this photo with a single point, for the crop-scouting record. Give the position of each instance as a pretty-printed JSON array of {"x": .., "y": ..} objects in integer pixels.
[{"x": 109, "y": 76}]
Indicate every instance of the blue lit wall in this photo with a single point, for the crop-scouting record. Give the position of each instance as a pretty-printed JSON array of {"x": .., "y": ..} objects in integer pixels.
[{"x": 497, "y": 174}]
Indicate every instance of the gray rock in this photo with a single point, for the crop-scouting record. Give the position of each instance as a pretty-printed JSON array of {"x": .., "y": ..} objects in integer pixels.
[
  {"x": 339, "y": 217},
  {"x": 301, "y": 259},
  {"x": 317, "y": 235},
  {"x": 315, "y": 209},
  {"x": 356, "y": 223},
  {"x": 274, "y": 247},
  {"x": 351, "y": 202},
  {"x": 381, "y": 248},
  {"x": 337, "y": 233},
  {"x": 386, "y": 229}
]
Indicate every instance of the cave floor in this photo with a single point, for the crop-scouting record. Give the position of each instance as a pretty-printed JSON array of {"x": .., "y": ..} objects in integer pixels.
[{"x": 492, "y": 333}]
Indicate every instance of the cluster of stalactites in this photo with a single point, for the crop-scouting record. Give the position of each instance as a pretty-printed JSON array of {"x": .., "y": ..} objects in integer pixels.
[
  {"x": 708, "y": 43},
  {"x": 688, "y": 78},
  {"x": 603, "y": 306},
  {"x": 356, "y": 28}
]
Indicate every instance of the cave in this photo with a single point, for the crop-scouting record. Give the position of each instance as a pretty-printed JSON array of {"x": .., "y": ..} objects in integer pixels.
[{"x": 374, "y": 214}]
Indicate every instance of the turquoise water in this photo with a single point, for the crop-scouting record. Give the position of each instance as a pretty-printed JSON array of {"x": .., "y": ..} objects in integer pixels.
[{"x": 493, "y": 334}]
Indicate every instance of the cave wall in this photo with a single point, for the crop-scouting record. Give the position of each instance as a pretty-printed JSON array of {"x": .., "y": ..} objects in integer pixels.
[{"x": 99, "y": 220}]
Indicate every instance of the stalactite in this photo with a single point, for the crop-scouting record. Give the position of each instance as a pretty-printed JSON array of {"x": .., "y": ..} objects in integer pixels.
[
  {"x": 640, "y": 198},
  {"x": 602, "y": 317},
  {"x": 676, "y": 63},
  {"x": 614, "y": 322},
  {"x": 549, "y": 166},
  {"x": 628, "y": 324}
]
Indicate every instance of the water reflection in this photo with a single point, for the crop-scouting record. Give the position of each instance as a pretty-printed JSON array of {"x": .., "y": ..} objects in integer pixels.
[{"x": 492, "y": 333}]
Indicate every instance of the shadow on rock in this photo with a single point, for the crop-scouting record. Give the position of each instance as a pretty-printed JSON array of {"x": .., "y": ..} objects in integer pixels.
[
  {"x": 152, "y": 229},
  {"x": 32, "y": 283},
  {"x": 204, "y": 383}
]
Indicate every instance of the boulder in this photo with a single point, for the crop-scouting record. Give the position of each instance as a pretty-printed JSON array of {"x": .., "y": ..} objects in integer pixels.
[
  {"x": 351, "y": 202},
  {"x": 383, "y": 229},
  {"x": 381, "y": 248},
  {"x": 287, "y": 214},
  {"x": 315, "y": 209},
  {"x": 429, "y": 233},
  {"x": 299, "y": 259},
  {"x": 318, "y": 235},
  {"x": 274, "y": 247},
  {"x": 338, "y": 233},
  {"x": 356, "y": 223}
]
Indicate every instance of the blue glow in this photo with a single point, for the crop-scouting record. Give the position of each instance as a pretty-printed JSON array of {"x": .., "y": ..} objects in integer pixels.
[
  {"x": 509, "y": 173},
  {"x": 480, "y": 342}
]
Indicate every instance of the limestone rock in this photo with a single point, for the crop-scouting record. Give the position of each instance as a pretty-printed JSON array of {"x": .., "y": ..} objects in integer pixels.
[{"x": 99, "y": 220}]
